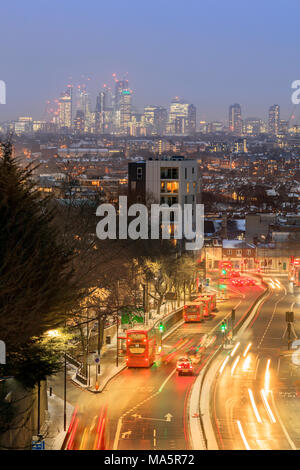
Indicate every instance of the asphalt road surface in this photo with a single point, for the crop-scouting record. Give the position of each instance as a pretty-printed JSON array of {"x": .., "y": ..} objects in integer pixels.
[{"x": 147, "y": 408}]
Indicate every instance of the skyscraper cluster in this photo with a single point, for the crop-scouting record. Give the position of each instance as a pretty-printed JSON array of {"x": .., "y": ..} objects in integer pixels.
[{"x": 114, "y": 113}]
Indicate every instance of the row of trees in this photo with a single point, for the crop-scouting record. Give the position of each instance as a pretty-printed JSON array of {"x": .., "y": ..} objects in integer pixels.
[{"x": 55, "y": 273}]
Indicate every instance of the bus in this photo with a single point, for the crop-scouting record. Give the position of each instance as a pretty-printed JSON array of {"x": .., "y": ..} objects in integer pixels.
[
  {"x": 225, "y": 268},
  {"x": 193, "y": 312},
  {"x": 294, "y": 271},
  {"x": 209, "y": 302},
  {"x": 141, "y": 346}
]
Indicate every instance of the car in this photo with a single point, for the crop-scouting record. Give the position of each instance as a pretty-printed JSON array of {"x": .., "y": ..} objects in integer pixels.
[
  {"x": 234, "y": 274},
  {"x": 184, "y": 366}
]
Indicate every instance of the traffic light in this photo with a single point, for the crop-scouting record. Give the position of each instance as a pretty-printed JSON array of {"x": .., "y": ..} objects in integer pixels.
[
  {"x": 224, "y": 272},
  {"x": 161, "y": 327},
  {"x": 223, "y": 326}
]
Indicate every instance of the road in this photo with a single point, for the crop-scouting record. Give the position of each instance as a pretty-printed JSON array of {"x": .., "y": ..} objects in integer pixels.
[
  {"x": 147, "y": 408},
  {"x": 255, "y": 398}
]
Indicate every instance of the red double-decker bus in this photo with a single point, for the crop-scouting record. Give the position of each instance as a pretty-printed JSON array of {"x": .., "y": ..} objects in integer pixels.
[
  {"x": 294, "y": 271},
  {"x": 225, "y": 268},
  {"x": 193, "y": 312},
  {"x": 141, "y": 345}
]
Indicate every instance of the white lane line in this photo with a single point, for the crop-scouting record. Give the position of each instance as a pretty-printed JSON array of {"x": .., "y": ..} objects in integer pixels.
[
  {"x": 272, "y": 316},
  {"x": 254, "y": 406},
  {"x": 282, "y": 425},
  {"x": 243, "y": 436},
  {"x": 119, "y": 426}
]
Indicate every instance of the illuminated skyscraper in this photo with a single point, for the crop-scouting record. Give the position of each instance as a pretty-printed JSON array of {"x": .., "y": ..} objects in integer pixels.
[
  {"x": 274, "y": 119},
  {"x": 125, "y": 109},
  {"x": 65, "y": 110},
  {"x": 235, "y": 119},
  {"x": 182, "y": 117},
  {"x": 155, "y": 118}
]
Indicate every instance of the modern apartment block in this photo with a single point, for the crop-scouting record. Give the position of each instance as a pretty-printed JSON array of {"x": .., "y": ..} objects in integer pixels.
[{"x": 164, "y": 181}]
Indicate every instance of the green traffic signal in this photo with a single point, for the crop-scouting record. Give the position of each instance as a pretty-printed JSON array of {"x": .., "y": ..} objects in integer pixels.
[
  {"x": 223, "y": 326},
  {"x": 224, "y": 272},
  {"x": 161, "y": 327}
]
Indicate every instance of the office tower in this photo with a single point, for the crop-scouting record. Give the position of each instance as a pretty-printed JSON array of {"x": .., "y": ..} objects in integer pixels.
[
  {"x": 182, "y": 117},
  {"x": 235, "y": 119},
  {"x": 155, "y": 119},
  {"x": 125, "y": 110},
  {"x": 101, "y": 102},
  {"x": 253, "y": 126},
  {"x": 65, "y": 110},
  {"x": 120, "y": 86},
  {"x": 79, "y": 121},
  {"x": 274, "y": 119}
]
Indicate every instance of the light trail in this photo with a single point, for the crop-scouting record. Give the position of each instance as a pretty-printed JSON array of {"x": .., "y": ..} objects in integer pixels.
[
  {"x": 267, "y": 376},
  {"x": 224, "y": 364},
  {"x": 83, "y": 440},
  {"x": 267, "y": 406},
  {"x": 257, "y": 415},
  {"x": 243, "y": 436},
  {"x": 246, "y": 364},
  {"x": 247, "y": 349},
  {"x": 235, "y": 349},
  {"x": 234, "y": 365}
]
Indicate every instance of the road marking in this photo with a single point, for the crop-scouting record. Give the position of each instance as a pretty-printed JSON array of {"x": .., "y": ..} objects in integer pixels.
[
  {"x": 120, "y": 420},
  {"x": 243, "y": 435},
  {"x": 282, "y": 425},
  {"x": 272, "y": 316}
]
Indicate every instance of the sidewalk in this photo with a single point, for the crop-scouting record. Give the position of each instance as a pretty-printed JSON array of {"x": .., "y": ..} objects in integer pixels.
[{"x": 54, "y": 427}]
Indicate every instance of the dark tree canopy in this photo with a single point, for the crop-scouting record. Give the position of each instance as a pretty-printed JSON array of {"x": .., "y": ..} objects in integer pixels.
[{"x": 36, "y": 286}]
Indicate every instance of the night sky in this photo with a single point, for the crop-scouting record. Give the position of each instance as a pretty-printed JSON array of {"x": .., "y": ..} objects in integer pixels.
[{"x": 212, "y": 53}]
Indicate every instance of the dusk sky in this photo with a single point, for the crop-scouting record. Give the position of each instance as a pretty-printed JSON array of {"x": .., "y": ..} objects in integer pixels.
[{"x": 212, "y": 53}]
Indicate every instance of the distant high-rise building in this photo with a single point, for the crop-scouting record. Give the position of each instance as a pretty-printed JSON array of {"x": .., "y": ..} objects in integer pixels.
[
  {"x": 253, "y": 126},
  {"x": 182, "y": 117},
  {"x": 155, "y": 119},
  {"x": 65, "y": 110},
  {"x": 274, "y": 119},
  {"x": 235, "y": 119},
  {"x": 121, "y": 85},
  {"x": 125, "y": 110},
  {"x": 79, "y": 121}
]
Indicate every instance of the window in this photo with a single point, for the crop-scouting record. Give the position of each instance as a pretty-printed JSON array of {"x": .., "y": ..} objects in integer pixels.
[
  {"x": 187, "y": 187},
  {"x": 169, "y": 173},
  {"x": 229, "y": 252},
  {"x": 185, "y": 173},
  {"x": 238, "y": 252},
  {"x": 139, "y": 173},
  {"x": 248, "y": 252}
]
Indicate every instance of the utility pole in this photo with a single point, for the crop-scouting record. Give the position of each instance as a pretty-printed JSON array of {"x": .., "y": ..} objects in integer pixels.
[{"x": 232, "y": 321}]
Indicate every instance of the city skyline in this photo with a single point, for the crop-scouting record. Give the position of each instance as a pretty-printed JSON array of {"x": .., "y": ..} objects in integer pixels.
[{"x": 211, "y": 55}]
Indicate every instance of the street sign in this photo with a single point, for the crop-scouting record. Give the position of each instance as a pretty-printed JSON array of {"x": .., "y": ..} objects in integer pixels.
[
  {"x": 38, "y": 445},
  {"x": 97, "y": 359}
]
